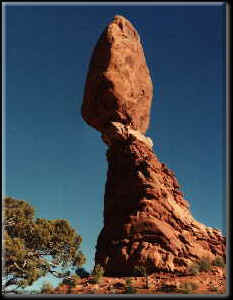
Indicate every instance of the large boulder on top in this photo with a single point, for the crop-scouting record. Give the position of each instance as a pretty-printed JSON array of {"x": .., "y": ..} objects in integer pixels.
[{"x": 118, "y": 85}]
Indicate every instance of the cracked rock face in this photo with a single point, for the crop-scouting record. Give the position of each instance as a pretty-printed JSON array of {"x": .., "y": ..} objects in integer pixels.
[{"x": 147, "y": 221}]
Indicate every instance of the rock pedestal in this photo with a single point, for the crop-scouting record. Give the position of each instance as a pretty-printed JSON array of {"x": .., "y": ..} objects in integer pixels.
[{"x": 147, "y": 221}]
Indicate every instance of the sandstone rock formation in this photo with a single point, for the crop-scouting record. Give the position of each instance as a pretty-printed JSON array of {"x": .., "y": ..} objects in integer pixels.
[
  {"x": 118, "y": 86},
  {"x": 146, "y": 219}
]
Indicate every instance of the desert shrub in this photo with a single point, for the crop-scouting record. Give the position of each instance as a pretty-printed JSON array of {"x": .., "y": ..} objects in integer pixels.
[
  {"x": 191, "y": 285},
  {"x": 142, "y": 271},
  {"x": 188, "y": 287},
  {"x": 47, "y": 288},
  {"x": 204, "y": 264},
  {"x": 213, "y": 288},
  {"x": 98, "y": 273},
  {"x": 129, "y": 289},
  {"x": 218, "y": 262},
  {"x": 224, "y": 272},
  {"x": 194, "y": 269}
]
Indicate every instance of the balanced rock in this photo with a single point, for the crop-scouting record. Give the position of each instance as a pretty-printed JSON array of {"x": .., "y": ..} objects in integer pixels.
[
  {"x": 118, "y": 85},
  {"x": 147, "y": 221}
]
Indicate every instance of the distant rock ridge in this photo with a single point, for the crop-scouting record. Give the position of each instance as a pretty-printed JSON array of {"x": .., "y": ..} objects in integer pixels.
[{"x": 147, "y": 221}]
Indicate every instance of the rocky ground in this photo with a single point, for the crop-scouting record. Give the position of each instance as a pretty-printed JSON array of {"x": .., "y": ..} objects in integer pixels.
[{"x": 212, "y": 282}]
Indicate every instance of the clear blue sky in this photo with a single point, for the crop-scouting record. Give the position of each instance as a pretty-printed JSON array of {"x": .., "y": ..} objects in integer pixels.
[{"x": 57, "y": 163}]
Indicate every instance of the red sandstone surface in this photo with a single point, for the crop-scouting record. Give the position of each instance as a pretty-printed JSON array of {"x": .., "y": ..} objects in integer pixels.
[
  {"x": 118, "y": 85},
  {"x": 147, "y": 221}
]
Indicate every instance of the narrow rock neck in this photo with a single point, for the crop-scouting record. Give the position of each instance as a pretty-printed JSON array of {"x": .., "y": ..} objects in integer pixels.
[{"x": 117, "y": 132}]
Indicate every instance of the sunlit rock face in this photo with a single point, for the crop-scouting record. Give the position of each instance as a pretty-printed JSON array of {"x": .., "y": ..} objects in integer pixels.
[
  {"x": 147, "y": 221},
  {"x": 118, "y": 86}
]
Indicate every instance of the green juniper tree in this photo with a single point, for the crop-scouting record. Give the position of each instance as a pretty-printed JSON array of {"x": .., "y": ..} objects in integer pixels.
[
  {"x": 33, "y": 247},
  {"x": 129, "y": 289}
]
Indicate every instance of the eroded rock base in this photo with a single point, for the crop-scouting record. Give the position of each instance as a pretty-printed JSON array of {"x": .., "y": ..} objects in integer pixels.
[{"x": 146, "y": 219}]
